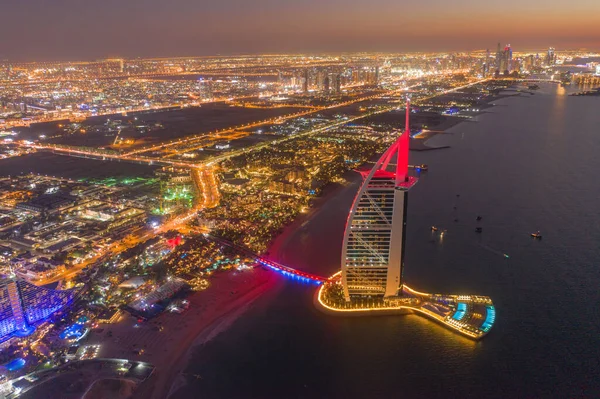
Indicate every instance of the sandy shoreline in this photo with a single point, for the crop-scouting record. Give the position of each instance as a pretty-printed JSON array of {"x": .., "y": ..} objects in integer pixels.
[
  {"x": 219, "y": 324},
  {"x": 279, "y": 242},
  {"x": 170, "y": 339},
  {"x": 420, "y": 143}
]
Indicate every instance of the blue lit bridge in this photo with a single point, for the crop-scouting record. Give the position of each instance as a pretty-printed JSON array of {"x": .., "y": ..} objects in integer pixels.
[{"x": 278, "y": 267}]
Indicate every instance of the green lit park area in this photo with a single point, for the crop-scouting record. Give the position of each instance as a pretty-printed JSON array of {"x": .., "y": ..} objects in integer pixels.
[
  {"x": 178, "y": 193},
  {"x": 118, "y": 181},
  {"x": 174, "y": 195}
]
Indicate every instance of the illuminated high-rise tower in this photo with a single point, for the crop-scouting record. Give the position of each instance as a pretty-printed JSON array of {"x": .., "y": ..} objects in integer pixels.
[
  {"x": 550, "y": 56},
  {"x": 499, "y": 56},
  {"x": 374, "y": 240},
  {"x": 305, "y": 81},
  {"x": 508, "y": 59},
  {"x": 335, "y": 83},
  {"x": 23, "y": 305}
]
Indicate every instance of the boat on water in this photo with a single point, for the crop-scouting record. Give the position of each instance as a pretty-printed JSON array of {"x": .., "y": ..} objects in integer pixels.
[
  {"x": 479, "y": 218},
  {"x": 478, "y": 229},
  {"x": 433, "y": 228},
  {"x": 419, "y": 168},
  {"x": 537, "y": 235}
]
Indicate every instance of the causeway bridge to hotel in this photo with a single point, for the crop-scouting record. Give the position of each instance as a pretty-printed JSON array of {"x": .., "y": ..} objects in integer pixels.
[
  {"x": 470, "y": 315},
  {"x": 278, "y": 267}
]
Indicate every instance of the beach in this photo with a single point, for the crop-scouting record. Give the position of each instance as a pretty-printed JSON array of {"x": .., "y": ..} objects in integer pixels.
[{"x": 168, "y": 340}]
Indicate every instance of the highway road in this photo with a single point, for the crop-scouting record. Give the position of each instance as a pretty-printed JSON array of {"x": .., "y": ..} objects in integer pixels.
[{"x": 204, "y": 177}]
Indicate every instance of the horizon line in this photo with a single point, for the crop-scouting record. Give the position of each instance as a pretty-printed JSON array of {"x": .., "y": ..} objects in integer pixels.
[{"x": 297, "y": 54}]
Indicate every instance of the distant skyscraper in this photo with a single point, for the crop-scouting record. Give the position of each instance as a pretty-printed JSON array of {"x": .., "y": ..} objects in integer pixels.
[
  {"x": 374, "y": 240},
  {"x": 509, "y": 58},
  {"x": 337, "y": 83},
  {"x": 530, "y": 62},
  {"x": 505, "y": 56},
  {"x": 499, "y": 57},
  {"x": 550, "y": 56},
  {"x": 205, "y": 89},
  {"x": 321, "y": 75},
  {"x": 305, "y": 82}
]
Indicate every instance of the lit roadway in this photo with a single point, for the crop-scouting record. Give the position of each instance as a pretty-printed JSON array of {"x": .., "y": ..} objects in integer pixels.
[
  {"x": 278, "y": 119},
  {"x": 208, "y": 197},
  {"x": 131, "y": 156},
  {"x": 138, "y": 237},
  {"x": 333, "y": 125},
  {"x": 78, "y": 116},
  {"x": 107, "y": 156},
  {"x": 110, "y": 250},
  {"x": 204, "y": 178}
]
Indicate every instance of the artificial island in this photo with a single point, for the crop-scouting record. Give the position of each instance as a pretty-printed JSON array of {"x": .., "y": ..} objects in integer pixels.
[{"x": 371, "y": 280}]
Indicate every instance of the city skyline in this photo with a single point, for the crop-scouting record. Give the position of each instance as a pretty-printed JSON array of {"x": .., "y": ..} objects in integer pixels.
[
  {"x": 70, "y": 30},
  {"x": 170, "y": 214}
]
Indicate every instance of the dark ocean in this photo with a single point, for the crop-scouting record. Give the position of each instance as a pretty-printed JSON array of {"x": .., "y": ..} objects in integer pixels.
[{"x": 530, "y": 163}]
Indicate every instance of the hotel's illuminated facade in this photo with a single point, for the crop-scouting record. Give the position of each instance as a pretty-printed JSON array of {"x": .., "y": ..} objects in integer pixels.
[
  {"x": 22, "y": 305},
  {"x": 373, "y": 257},
  {"x": 374, "y": 240}
]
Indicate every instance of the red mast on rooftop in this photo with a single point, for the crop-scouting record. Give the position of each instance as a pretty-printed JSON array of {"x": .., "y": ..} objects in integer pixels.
[
  {"x": 400, "y": 149},
  {"x": 403, "y": 144}
]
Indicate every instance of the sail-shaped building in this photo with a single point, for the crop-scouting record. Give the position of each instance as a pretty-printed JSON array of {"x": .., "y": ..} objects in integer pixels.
[
  {"x": 374, "y": 239},
  {"x": 371, "y": 280}
]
